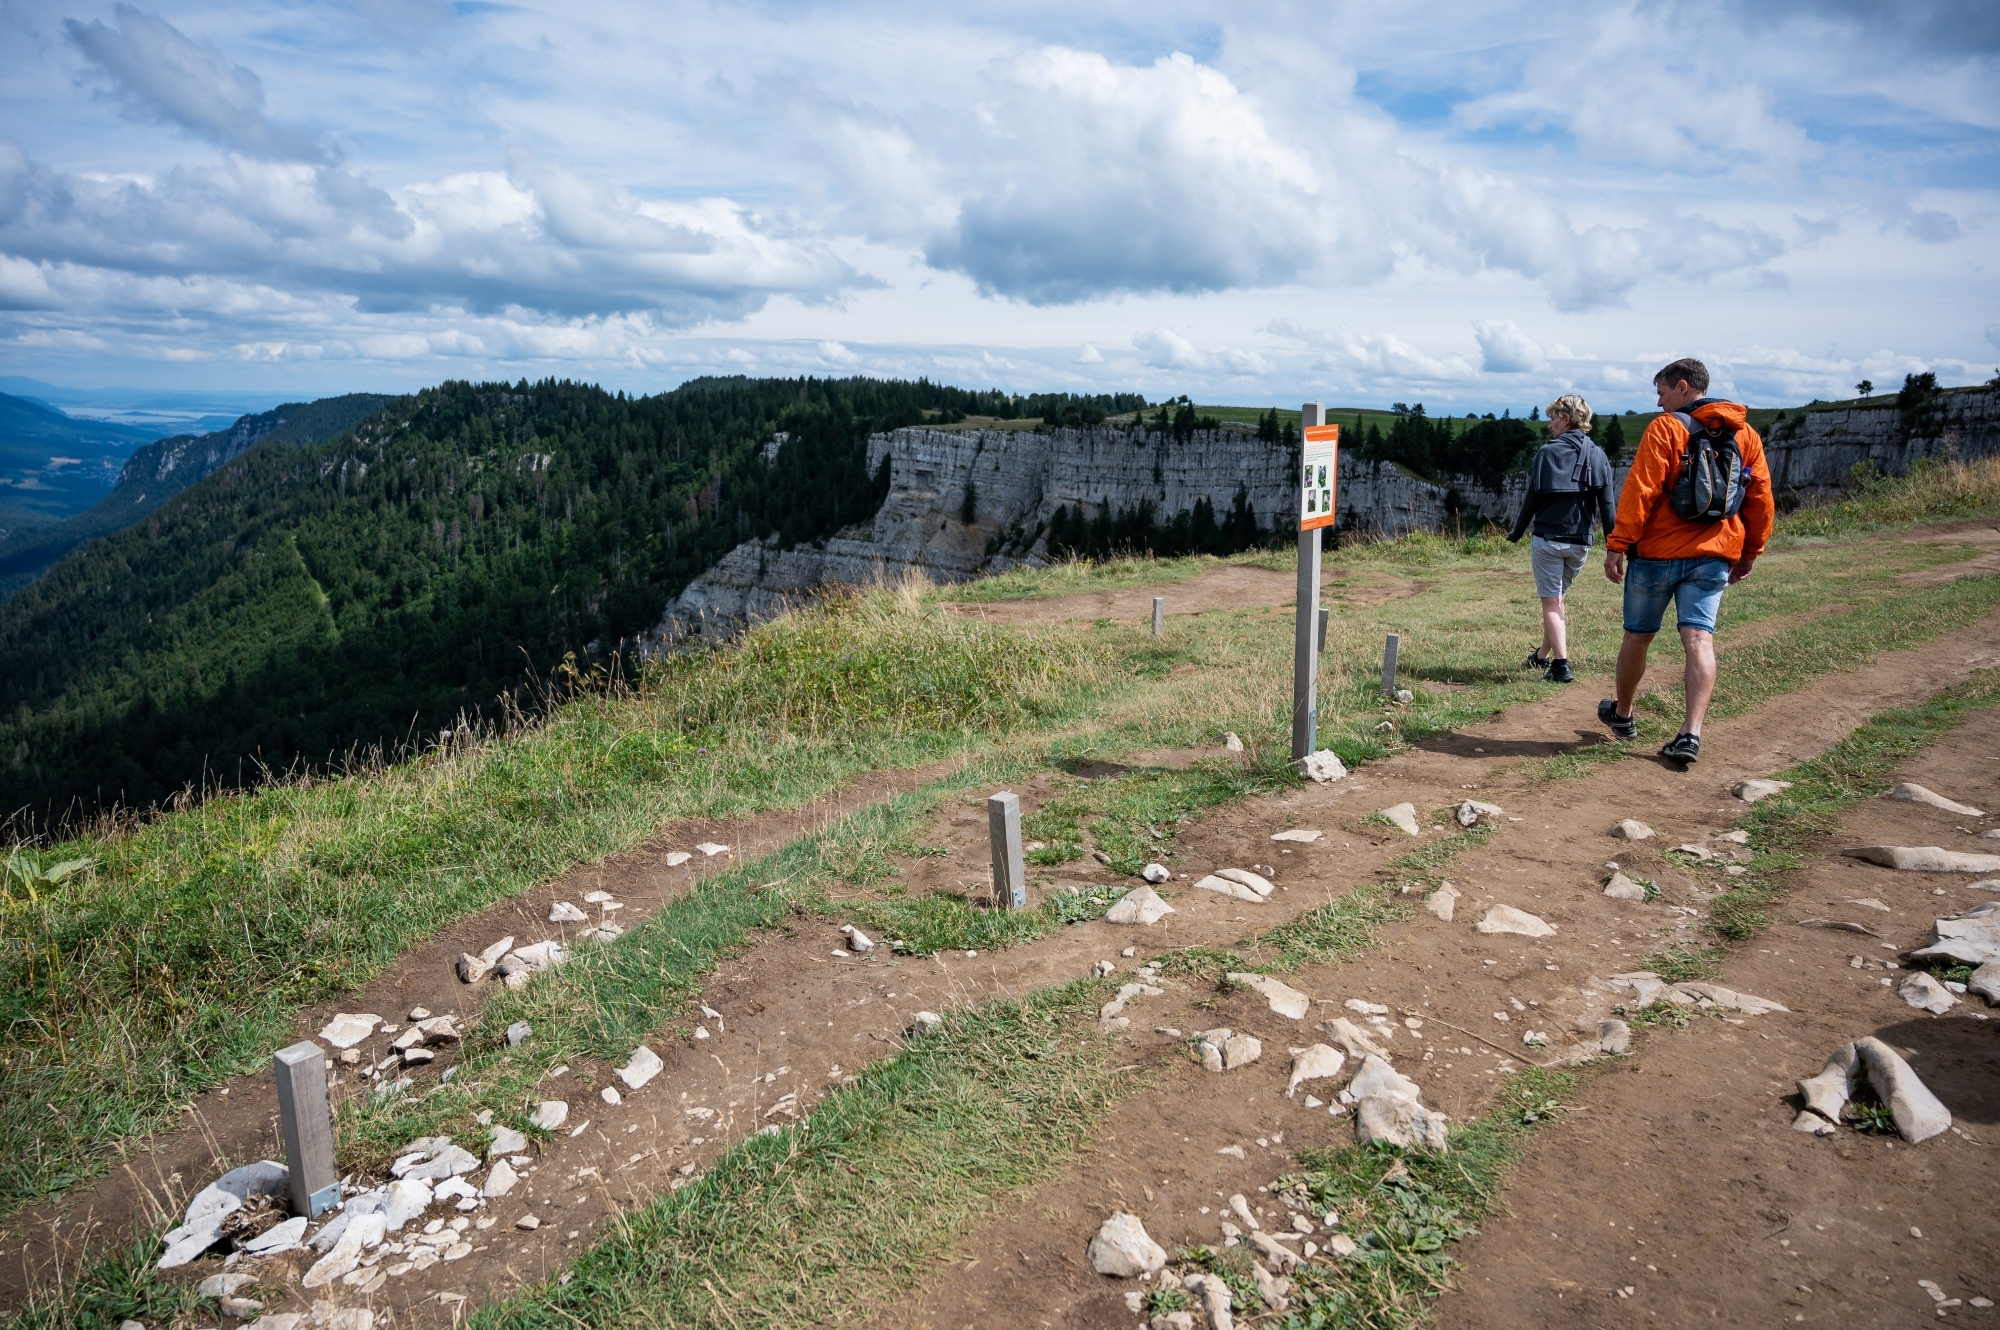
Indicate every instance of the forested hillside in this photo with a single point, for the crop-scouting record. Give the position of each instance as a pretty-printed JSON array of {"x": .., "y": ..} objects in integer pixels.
[
  {"x": 53, "y": 466},
  {"x": 451, "y": 550}
]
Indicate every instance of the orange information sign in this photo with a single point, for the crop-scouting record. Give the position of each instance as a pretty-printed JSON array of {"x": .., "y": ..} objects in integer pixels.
[{"x": 1320, "y": 478}]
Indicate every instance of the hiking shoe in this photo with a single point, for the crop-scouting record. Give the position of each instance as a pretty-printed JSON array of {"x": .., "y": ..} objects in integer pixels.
[
  {"x": 1621, "y": 727},
  {"x": 1558, "y": 672},
  {"x": 1682, "y": 748},
  {"x": 1536, "y": 660}
]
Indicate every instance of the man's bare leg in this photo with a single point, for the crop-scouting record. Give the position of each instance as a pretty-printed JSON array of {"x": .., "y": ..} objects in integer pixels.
[
  {"x": 1632, "y": 669},
  {"x": 1555, "y": 629},
  {"x": 1699, "y": 644}
]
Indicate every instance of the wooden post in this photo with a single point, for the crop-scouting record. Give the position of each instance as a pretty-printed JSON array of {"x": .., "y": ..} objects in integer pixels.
[
  {"x": 307, "y": 1121},
  {"x": 1305, "y": 659},
  {"x": 1389, "y": 650},
  {"x": 1159, "y": 616},
  {"x": 1010, "y": 871},
  {"x": 1322, "y": 630}
]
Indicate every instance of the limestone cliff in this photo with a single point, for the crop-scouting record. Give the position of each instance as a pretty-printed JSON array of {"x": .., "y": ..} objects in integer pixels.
[{"x": 1813, "y": 454}]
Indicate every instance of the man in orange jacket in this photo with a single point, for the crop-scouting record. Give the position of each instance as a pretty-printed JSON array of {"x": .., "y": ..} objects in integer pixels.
[{"x": 1687, "y": 561}]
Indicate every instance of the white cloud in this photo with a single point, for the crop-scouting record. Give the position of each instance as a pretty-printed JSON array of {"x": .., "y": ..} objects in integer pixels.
[
  {"x": 1090, "y": 355},
  {"x": 1163, "y": 348},
  {"x": 1505, "y": 349}
]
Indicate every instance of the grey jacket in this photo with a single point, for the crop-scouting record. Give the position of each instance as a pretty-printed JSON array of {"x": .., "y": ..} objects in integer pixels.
[{"x": 1569, "y": 484}]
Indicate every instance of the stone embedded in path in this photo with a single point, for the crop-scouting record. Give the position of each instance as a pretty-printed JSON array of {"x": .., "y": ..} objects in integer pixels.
[
  {"x": 1377, "y": 1079},
  {"x": 1155, "y": 873},
  {"x": 1215, "y": 1300},
  {"x": 1972, "y": 938},
  {"x": 506, "y": 1141},
  {"x": 1917, "y": 1112},
  {"x": 348, "y": 1029},
  {"x": 279, "y": 1237},
  {"x": 1225, "y": 1050},
  {"x": 549, "y": 1114},
  {"x": 1632, "y": 829},
  {"x": 1122, "y": 1249},
  {"x": 1357, "y": 1042},
  {"x": 675, "y": 858},
  {"x": 1614, "y": 1037},
  {"x": 1622, "y": 888},
  {"x": 1699, "y": 853},
  {"x": 1750, "y": 791},
  {"x": 1926, "y": 859},
  {"x": 1649, "y": 986},
  {"x": 857, "y": 941},
  {"x": 1985, "y": 981},
  {"x": 609, "y": 1094},
  {"x": 642, "y": 1066},
  {"x": 1276, "y": 1253},
  {"x": 562, "y": 912},
  {"x": 223, "y": 1286},
  {"x": 1917, "y": 794},
  {"x": 1323, "y": 767},
  {"x": 1142, "y": 906},
  {"x": 1403, "y": 817},
  {"x": 1442, "y": 902},
  {"x": 1400, "y": 1122},
  {"x": 1317, "y": 1063},
  {"x": 500, "y": 1180},
  {"x": 1300, "y": 837},
  {"x": 1224, "y": 886},
  {"x": 1472, "y": 810},
  {"x": 711, "y": 849},
  {"x": 1749, "y": 1004},
  {"x": 1507, "y": 919},
  {"x": 1257, "y": 882},
  {"x": 1284, "y": 999},
  {"x": 1827, "y": 1093},
  {"x": 1923, "y": 992},
  {"x": 925, "y": 1022},
  {"x": 1363, "y": 1007}
]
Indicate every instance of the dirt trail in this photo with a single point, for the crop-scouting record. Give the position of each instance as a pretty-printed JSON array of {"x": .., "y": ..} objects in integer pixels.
[{"x": 1230, "y": 588}]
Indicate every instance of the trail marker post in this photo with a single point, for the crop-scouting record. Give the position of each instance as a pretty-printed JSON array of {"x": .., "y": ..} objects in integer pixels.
[
  {"x": 1322, "y": 632},
  {"x": 1318, "y": 476},
  {"x": 1389, "y": 650},
  {"x": 1010, "y": 871},
  {"x": 306, "y": 1118},
  {"x": 1159, "y": 616}
]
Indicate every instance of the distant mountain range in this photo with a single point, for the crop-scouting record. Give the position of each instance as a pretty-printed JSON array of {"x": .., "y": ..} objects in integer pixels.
[{"x": 53, "y": 466}]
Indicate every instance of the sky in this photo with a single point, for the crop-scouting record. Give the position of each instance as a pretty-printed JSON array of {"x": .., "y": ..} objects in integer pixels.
[{"x": 1476, "y": 205}]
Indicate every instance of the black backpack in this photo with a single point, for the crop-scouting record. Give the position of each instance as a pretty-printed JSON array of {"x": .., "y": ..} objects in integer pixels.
[{"x": 1710, "y": 485}]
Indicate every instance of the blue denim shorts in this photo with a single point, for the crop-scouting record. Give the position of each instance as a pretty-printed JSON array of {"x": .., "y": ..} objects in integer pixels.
[{"x": 1695, "y": 586}]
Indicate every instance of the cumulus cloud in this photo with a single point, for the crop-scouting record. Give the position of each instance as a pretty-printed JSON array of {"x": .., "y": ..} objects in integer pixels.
[
  {"x": 1090, "y": 355},
  {"x": 160, "y": 74},
  {"x": 1505, "y": 349},
  {"x": 1163, "y": 348}
]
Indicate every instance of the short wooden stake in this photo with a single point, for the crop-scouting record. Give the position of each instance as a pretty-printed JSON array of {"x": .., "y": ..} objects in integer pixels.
[
  {"x": 307, "y": 1121},
  {"x": 1159, "y": 616},
  {"x": 1389, "y": 650},
  {"x": 1010, "y": 870}
]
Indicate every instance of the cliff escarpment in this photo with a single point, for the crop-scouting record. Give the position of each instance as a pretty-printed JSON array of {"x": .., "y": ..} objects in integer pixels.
[{"x": 1813, "y": 454}]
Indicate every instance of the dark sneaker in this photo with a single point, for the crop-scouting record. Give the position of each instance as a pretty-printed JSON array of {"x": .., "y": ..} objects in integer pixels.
[
  {"x": 1558, "y": 672},
  {"x": 1682, "y": 748},
  {"x": 1621, "y": 727},
  {"x": 1536, "y": 660}
]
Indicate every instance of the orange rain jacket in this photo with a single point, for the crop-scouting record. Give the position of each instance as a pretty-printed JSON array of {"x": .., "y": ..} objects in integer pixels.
[{"x": 1649, "y": 528}]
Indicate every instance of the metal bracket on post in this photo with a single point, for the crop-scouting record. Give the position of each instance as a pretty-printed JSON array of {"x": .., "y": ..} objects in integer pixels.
[
  {"x": 1305, "y": 654},
  {"x": 1389, "y": 650},
  {"x": 306, "y": 1118},
  {"x": 1010, "y": 870},
  {"x": 1323, "y": 614},
  {"x": 1159, "y": 616}
]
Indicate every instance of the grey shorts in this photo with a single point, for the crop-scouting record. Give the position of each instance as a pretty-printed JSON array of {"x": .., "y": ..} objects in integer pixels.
[{"x": 1556, "y": 566}]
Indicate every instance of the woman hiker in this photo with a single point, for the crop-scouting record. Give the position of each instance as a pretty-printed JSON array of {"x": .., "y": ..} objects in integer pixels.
[{"x": 1569, "y": 484}]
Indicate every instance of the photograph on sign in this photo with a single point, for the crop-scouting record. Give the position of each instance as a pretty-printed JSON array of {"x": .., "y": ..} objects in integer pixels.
[{"x": 1318, "y": 476}]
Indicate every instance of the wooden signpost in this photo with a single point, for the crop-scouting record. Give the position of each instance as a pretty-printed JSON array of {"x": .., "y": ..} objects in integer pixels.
[
  {"x": 305, "y": 1119},
  {"x": 1010, "y": 869},
  {"x": 1318, "y": 481}
]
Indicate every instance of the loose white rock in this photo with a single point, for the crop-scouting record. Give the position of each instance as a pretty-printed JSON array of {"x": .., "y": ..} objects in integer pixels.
[
  {"x": 1917, "y": 1112},
  {"x": 1985, "y": 981},
  {"x": 278, "y": 1238},
  {"x": 527, "y": 1223},
  {"x": 857, "y": 941},
  {"x": 1827, "y": 1093},
  {"x": 1443, "y": 902},
  {"x": 1243, "y": 876},
  {"x": 1122, "y": 1249},
  {"x": 642, "y": 1066},
  {"x": 1363, "y": 1007},
  {"x": 711, "y": 849},
  {"x": 500, "y": 1180},
  {"x": 1923, "y": 992},
  {"x": 609, "y": 1094},
  {"x": 1301, "y": 837},
  {"x": 1324, "y": 767},
  {"x": 1972, "y": 938},
  {"x": 348, "y": 1029},
  {"x": 361, "y": 1233},
  {"x": 675, "y": 858},
  {"x": 1155, "y": 873},
  {"x": 1142, "y": 906},
  {"x": 1622, "y": 888},
  {"x": 1224, "y": 886},
  {"x": 1917, "y": 794},
  {"x": 1750, "y": 791},
  {"x": 549, "y": 1114},
  {"x": 1926, "y": 859},
  {"x": 1231, "y": 743},
  {"x": 1472, "y": 810},
  {"x": 1403, "y": 817},
  {"x": 1632, "y": 829},
  {"x": 1284, "y": 999},
  {"x": 562, "y": 912},
  {"x": 1749, "y": 1004},
  {"x": 1507, "y": 919},
  {"x": 601, "y": 933},
  {"x": 1399, "y": 1122},
  {"x": 518, "y": 1032},
  {"x": 1317, "y": 1063},
  {"x": 1614, "y": 1036},
  {"x": 223, "y": 1286},
  {"x": 597, "y": 897},
  {"x": 925, "y": 1022},
  {"x": 1357, "y": 1042}
]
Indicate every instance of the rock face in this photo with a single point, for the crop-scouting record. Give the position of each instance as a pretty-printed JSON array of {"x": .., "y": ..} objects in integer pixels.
[
  {"x": 1019, "y": 479},
  {"x": 1813, "y": 455}
]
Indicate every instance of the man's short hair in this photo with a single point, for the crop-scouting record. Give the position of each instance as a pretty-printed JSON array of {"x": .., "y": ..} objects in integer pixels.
[
  {"x": 1688, "y": 370},
  {"x": 1573, "y": 406}
]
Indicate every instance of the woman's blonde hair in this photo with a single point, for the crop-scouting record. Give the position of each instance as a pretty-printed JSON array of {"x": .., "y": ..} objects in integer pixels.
[{"x": 1573, "y": 406}]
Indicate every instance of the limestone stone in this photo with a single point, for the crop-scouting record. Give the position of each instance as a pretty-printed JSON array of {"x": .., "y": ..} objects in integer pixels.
[
  {"x": 1614, "y": 1036},
  {"x": 1750, "y": 791},
  {"x": 1257, "y": 882},
  {"x": 1631, "y": 829},
  {"x": 1443, "y": 902},
  {"x": 1142, "y": 906},
  {"x": 1507, "y": 919},
  {"x": 562, "y": 912},
  {"x": 1357, "y": 1042},
  {"x": 278, "y": 1238},
  {"x": 1917, "y": 794},
  {"x": 224, "y": 1285},
  {"x": 348, "y": 1029},
  {"x": 1926, "y": 859},
  {"x": 1122, "y": 1249},
  {"x": 1399, "y": 1122},
  {"x": 1324, "y": 767},
  {"x": 1622, "y": 888},
  {"x": 1749, "y": 1004},
  {"x": 1272, "y": 1290},
  {"x": 518, "y": 1032},
  {"x": 549, "y": 1114},
  {"x": 1240, "y": 1051},
  {"x": 1377, "y": 1079},
  {"x": 451, "y": 1161},
  {"x": 500, "y": 1179},
  {"x": 1231, "y": 742},
  {"x": 1403, "y": 817},
  {"x": 1925, "y": 993},
  {"x": 1917, "y": 1113},
  {"x": 1972, "y": 938},
  {"x": 1827, "y": 1093},
  {"x": 675, "y": 858},
  {"x": 712, "y": 848},
  {"x": 642, "y": 1066},
  {"x": 1284, "y": 999},
  {"x": 1299, "y": 836},
  {"x": 1155, "y": 873},
  {"x": 1224, "y": 886},
  {"x": 925, "y": 1023},
  {"x": 1318, "y": 1063},
  {"x": 1471, "y": 810},
  {"x": 1985, "y": 981},
  {"x": 1279, "y": 1255}
]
